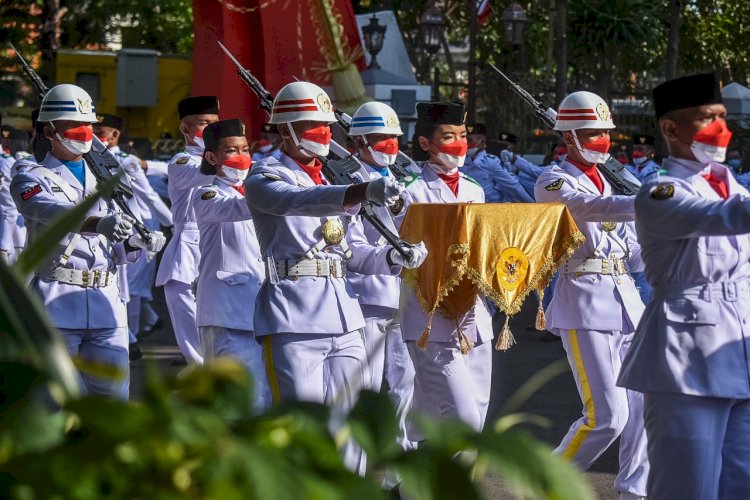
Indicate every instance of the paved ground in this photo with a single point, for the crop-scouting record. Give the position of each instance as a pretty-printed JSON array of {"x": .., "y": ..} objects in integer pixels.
[{"x": 557, "y": 401}]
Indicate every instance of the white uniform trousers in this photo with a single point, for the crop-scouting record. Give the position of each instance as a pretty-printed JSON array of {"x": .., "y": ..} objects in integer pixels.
[
  {"x": 106, "y": 346},
  {"x": 181, "y": 305},
  {"x": 299, "y": 366},
  {"x": 608, "y": 411},
  {"x": 399, "y": 374},
  {"x": 374, "y": 334},
  {"x": 699, "y": 447},
  {"x": 451, "y": 384},
  {"x": 217, "y": 341}
]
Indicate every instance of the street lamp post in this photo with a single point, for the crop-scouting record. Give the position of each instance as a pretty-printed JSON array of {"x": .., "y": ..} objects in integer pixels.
[
  {"x": 374, "y": 34},
  {"x": 514, "y": 22},
  {"x": 431, "y": 25},
  {"x": 472, "y": 97}
]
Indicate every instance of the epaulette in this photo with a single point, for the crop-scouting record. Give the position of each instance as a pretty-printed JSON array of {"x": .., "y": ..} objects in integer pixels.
[
  {"x": 464, "y": 176},
  {"x": 5, "y": 155},
  {"x": 410, "y": 179},
  {"x": 123, "y": 154},
  {"x": 493, "y": 156}
]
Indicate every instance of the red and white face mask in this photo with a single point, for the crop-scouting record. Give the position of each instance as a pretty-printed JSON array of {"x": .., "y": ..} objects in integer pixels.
[
  {"x": 383, "y": 152},
  {"x": 596, "y": 151},
  {"x": 77, "y": 140},
  {"x": 313, "y": 142},
  {"x": 198, "y": 139},
  {"x": 236, "y": 167},
  {"x": 710, "y": 143},
  {"x": 264, "y": 145},
  {"x": 453, "y": 154}
]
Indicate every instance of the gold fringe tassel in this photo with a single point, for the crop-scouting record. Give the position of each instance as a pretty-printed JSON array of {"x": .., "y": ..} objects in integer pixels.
[
  {"x": 424, "y": 339},
  {"x": 541, "y": 319},
  {"x": 506, "y": 340},
  {"x": 464, "y": 343}
]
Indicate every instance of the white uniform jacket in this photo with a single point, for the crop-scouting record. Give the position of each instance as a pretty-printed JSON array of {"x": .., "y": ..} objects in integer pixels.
[
  {"x": 231, "y": 268},
  {"x": 40, "y": 200},
  {"x": 182, "y": 256},
  {"x": 375, "y": 289},
  {"x": 289, "y": 211},
  {"x": 694, "y": 337},
  {"x": 9, "y": 224},
  {"x": 591, "y": 301},
  {"x": 477, "y": 323}
]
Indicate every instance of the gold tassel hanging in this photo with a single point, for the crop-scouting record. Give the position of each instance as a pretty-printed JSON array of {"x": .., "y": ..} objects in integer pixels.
[
  {"x": 464, "y": 344},
  {"x": 424, "y": 339},
  {"x": 541, "y": 319},
  {"x": 505, "y": 340}
]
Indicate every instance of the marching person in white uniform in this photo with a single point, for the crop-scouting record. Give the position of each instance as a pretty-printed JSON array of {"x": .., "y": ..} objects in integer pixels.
[
  {"x": 8, "y": 211},
  {"x": 690, "y": 352},
  {"x": 179, "y": 264},
  {"x": 449, "y": 383},
  {"x": 231, "y": 268},
  {"x": 306, "y": 312},
  {"x": 375, "y": 129},
  {"x": 269, "y": 143},
  {"x": 154, "y": 213},
  {"x": 79, "y": 285},
  {"x": 596, "y": 305}
]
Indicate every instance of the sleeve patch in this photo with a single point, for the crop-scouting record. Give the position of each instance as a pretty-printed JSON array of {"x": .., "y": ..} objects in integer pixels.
[
  {"x": 555, "y": 186},
  {"x": 663, "y": 192},
  {"x": 208, "y": 195},
  {"x": 397, "y": 207},
  {"x": 182, "y": 161},
  {"x": 30, "y": 192},
  {"x": 273, "y": 177}
]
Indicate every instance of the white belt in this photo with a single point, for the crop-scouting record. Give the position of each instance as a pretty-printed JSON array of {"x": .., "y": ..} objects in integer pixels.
[
  {"x": 321, "y": 268},
  {"x": 614, "y": 266},
  {"x": 80, "y": 277}
]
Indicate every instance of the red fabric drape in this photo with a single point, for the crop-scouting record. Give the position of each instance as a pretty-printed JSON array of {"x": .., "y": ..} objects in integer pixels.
[{"x": 266, "y": 42}]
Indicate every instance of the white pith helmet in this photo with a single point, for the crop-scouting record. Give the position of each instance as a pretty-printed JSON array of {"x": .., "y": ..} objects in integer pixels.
[
  {"x": 583, "y": 110},
  {"x": 375, "y": 118},
  {"x": 298, "y": 101},
  {"x": 67, "y": 102}
]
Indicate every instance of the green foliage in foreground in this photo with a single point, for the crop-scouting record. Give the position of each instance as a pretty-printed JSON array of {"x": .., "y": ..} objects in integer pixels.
[{"x": 195, "y": 435}]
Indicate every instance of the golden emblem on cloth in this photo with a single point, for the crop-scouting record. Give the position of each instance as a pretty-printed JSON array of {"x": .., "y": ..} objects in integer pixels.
[
  {"x": 663, "y": 192},
  {"x": 324, "y": 103},
  {"x": 333, "y": 232},
  {"x": 603, "y": 111},
  {"x": 609, "y": 226},
  {"x": 512, "y": 267}
]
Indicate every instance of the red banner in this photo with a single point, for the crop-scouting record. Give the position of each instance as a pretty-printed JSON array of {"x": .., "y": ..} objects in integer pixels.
[{"x": 277, "y": 40}]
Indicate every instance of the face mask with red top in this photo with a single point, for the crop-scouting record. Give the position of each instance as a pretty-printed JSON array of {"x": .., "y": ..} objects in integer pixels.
[
  {"x": 710, "y": 143},
  {"x": 596, "y": 151},
  {"x": 77, "y": 140},
  {"x": 453, "y": 154},
  {"x": 236, "y": 167},
  {"x": 383, "y": 152}
]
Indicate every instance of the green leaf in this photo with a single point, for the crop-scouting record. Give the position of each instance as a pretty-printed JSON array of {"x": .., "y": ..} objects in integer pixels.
[{"x": 374, "y": 425}]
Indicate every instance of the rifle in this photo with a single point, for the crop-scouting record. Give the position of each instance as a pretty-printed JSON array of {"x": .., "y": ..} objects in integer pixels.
[
  {"x": 339, "y": 171},
  {"x": 100, "y": 160},
  {"x": 611, "y": 169}
]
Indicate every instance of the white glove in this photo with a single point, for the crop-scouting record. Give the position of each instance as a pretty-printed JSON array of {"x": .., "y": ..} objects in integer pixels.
[
  {"x": 417, "y": 255},
  {"x": 506, "y": 157},
  {"x": 384, "y": 191},
  {"x": 115, "y": 227},
  {"x": 4, "y": 256},
  {"x": 157, "y": 243}
]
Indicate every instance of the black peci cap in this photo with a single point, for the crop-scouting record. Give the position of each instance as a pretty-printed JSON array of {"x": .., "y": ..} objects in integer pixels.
[
  {"x": 507, "y": 137},
  {"x": 200, "y": 105},
  {"x": 686, "y": 92},
  {"x": 214, "y": 133},
  {"x": 476, "y": 128},
  {"x": 643, "y": 140},
  {"x": 440, "y": 113},
  {"x": 106, "y": 120},
  {"x": 269, "y": 128}
]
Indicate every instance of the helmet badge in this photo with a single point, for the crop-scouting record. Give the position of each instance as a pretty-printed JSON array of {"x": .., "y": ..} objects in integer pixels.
[{"x": 603, "y": 111}]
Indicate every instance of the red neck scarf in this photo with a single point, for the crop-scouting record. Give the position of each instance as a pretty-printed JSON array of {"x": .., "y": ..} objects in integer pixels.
[
  {"x": 719, "y": 185},
  {"x": 591, "y": 172},
  {"x": 313, "y": 171},
  {"x": 240, "y": 189},
  {"x": 451, "y": 180}
]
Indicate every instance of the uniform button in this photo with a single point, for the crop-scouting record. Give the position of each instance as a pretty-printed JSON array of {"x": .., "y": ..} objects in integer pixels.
[
  {"x": 744, "y": 321},
  {"x": 619, "y": 281}
]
